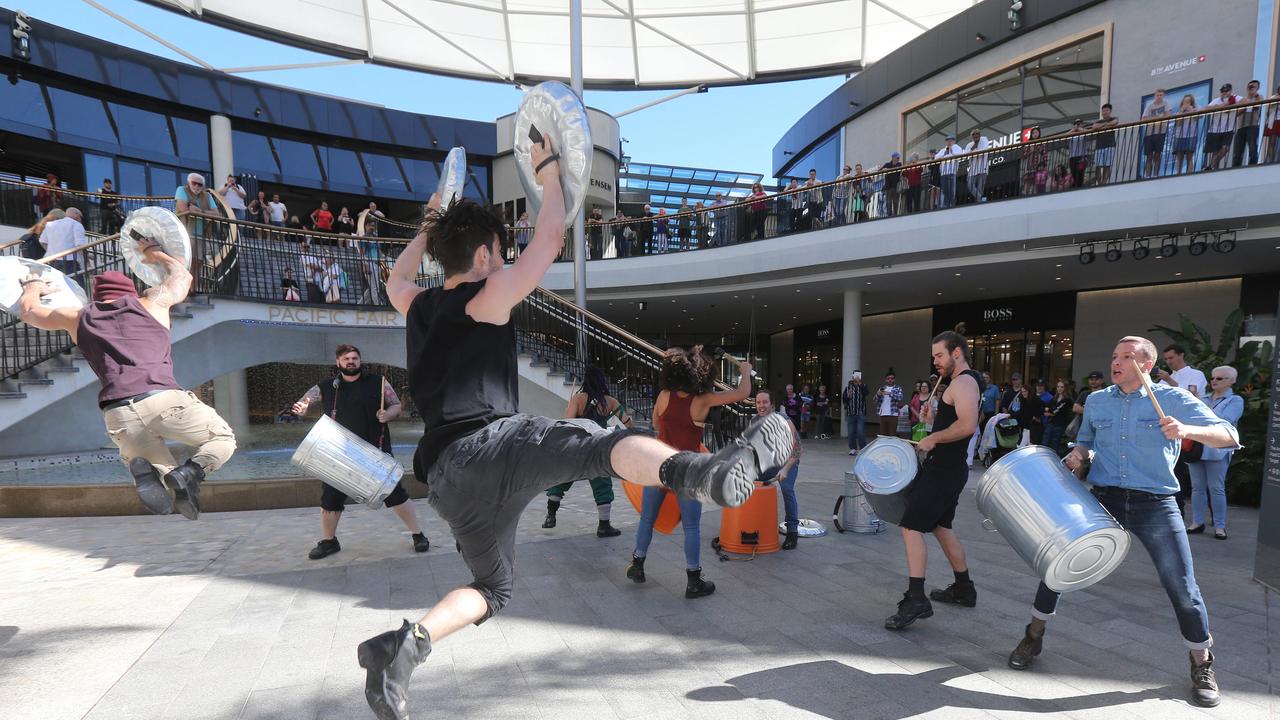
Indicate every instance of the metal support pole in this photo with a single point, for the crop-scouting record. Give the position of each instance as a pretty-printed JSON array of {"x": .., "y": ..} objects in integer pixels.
[{"x": 579, "y": 226}]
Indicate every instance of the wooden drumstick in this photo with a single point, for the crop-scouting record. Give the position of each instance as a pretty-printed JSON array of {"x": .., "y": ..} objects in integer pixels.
[
  {"x": 935, "y": 390},
  {"x": 721, "y": 352},
  {"x": 1146, "y": 381}
]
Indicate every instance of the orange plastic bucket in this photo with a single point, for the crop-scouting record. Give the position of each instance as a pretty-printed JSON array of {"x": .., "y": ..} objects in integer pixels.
[
  {"x": 668, "y": 513},
  {"x": 753, "y": 525}
]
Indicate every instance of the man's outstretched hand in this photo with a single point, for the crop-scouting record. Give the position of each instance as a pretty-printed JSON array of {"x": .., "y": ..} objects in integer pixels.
[{"x": 539, "y": 152}]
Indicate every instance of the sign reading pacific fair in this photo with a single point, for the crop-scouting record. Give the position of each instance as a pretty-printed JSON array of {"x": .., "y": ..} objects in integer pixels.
[{"x": 303, "y": 315}]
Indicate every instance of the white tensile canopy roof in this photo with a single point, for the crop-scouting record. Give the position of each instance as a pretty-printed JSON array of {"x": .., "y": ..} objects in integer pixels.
[{"x": 626, "y": 43}]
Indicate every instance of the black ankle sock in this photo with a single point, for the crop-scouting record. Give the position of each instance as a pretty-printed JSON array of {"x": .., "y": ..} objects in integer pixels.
[
  {"x": 962, "y": 577},
  {"x": 671, "y": 472},
  {"x": 915, "y": 587}
]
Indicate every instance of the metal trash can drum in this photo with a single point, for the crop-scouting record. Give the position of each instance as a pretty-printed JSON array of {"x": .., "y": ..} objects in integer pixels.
[
  {"x": 1051, "y": 519},
  {"x": 856, "y": 512},
  {"x": 343, "y": 460},
  {"x": 752, "y": 527},
  {"x": 886, "y": 465}
]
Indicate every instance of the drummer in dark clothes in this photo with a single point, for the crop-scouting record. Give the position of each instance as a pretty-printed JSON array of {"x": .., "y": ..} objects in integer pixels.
[
  {"x": 1133, "y": 451},
  {"x": 362, "y": 402},
  {"x": 126, "y": 340},
  {"x": 932, "y": 497}
]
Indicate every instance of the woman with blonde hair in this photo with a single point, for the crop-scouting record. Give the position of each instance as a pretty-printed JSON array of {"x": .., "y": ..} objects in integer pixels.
[
  {"x": 1185, "y": 136},
  {"x": 1209, "y": 473},
  {"x": 31, "y": 247}
]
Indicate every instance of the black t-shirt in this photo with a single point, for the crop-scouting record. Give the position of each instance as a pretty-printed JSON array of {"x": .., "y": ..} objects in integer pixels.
[
  {"x": 1084, "y": 394},
  {"x": 1106, "y": 139},
  {"x": 1061, "y": 412},
  {"x": 462, "y": 373},
  {"x": 358, "y": 402}
]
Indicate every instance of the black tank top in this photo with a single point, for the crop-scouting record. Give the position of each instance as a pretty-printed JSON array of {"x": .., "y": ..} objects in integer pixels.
[
  {"x": 357, "y": 404},
  {"x": 462, "y": 373},
  {"x": 128, "y": 349},
  {"x": 592, "y": 412},
  {"x": 958, "y": 450}
]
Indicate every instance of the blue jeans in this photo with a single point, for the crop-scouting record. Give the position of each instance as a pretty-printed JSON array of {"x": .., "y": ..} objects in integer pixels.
[
  {"x": 857, "y": 432},
  {"x": 838, "y": 205},
  {"x": 690, "y": 519},
  {"x": 1053, "y": 437},
  {"x": 1209, "y": 490},
  {"x": 1156, "y": 522},
  {"x": 790, "y": 507},
  {"x": 948, "y": 190}
]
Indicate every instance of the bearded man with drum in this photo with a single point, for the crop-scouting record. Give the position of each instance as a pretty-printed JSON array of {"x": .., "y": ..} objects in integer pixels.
[
  {"x": 482, "y": 459},
  {"x": 1133, "y": 452},
  {"x": 362, "y": 402},
  {"x": 935, "y": 492},
  {"x": 126, "y": 341}
]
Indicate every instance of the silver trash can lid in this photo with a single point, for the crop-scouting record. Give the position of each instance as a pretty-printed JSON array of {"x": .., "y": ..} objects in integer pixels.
[{"x": 886, "y": 466}]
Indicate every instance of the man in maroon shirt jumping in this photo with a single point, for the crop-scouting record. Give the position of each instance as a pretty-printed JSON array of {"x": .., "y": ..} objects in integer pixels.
[{"x": 126, "y": 340}]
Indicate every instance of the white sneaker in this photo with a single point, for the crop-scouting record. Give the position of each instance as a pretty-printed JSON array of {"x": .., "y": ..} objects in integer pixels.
[{"x": 853, "y": 452}]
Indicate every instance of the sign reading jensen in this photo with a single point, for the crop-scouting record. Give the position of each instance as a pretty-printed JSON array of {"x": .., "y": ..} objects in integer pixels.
[{"x": 1179, "y": 66}]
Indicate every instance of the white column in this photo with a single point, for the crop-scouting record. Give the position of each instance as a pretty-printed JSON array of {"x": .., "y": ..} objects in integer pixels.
[
  {"x": 231, "y": 399},
  {"x": 851, "y": 350},
  {"x": 220, "y": 150}
]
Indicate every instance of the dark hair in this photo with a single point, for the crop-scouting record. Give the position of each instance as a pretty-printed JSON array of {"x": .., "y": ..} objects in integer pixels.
[
  {"x": 1107, "y": 106},
  {"x": 453, "y": 236},
  {"x": 953, "y": 340},
  {"x": 344, "y": 348},
  {"x": 596, "y": 386},
  {"x": 685, "y": 371},
  {"x": 771, "y": 394},
  {"x": 1176, "y": 348}
]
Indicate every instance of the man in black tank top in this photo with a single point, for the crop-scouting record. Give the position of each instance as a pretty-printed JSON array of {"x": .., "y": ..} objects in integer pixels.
[
  {"x": 362, "y": 402},
  {"x": 933, "y": 495},
  {"x": 483, "y": 460}
]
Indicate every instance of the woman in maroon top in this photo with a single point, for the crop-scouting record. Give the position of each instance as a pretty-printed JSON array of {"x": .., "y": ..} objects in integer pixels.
[
  {"x": 759, "y": 210},
  {"x": 679, "y": 416}
]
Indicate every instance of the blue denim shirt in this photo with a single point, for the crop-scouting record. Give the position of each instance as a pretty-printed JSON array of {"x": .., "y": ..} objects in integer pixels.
[{"x": 1124, "y": 431}]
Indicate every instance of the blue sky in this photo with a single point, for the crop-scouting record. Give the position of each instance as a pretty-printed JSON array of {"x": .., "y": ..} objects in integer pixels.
[{"x": 727, "y": 128}]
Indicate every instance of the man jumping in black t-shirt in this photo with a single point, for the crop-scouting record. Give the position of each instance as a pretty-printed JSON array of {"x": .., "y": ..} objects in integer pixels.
[{"x": 483, "y": 460}]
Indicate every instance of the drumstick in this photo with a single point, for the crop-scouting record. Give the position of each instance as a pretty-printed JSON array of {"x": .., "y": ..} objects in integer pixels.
[
  {"x": 1146, "y": 381},
  {"x": 935, "y": 390},
  {"x": 721, "y": 352}
]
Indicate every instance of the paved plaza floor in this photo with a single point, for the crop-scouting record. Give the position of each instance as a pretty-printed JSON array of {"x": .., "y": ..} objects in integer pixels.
[{"x": 157, "y": 617}]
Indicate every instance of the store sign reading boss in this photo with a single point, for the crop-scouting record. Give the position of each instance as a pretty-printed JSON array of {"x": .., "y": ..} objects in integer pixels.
[{"x": 997, "y": 314}]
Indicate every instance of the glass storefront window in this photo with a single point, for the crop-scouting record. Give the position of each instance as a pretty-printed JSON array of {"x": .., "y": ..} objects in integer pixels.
[
  {"x": 1048, "y": 91},
  {"x": 825, "y": 159},
  {"x": 142, "y": 129},
  {"x": 24, "y": 103},
  {"x": 344, "y": 167},
  {"x": 383, "y": 171},
  {"x": 132, "y": 178},
  {"x": 253, "y": 152},
  {"x": 164, "y": 181},
  {"x": 193, "y": 138},
  {"x": 297, "y": 159},
  {"x": 97, "y": 167},
  {"x": 81, "y": 115},
  {"x": 478, "y": 184}
]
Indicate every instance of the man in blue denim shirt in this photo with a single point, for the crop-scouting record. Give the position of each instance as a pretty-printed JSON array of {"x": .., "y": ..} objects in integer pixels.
[{"x": 1134, "y": 451}]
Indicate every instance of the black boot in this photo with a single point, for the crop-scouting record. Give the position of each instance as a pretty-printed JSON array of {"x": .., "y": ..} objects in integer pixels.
[
  {"x": 790, "y": 542},
  {"x": 552, "y": 507},
  {"x": 420, "y": 542},
  {"x": 910, "y": 609},
  {"x": 635, "y": 571},
  {"x": 957, "y": 593},
  {"x": 698, "y": 587},
  {"x": 1027, "y": 651},
  {"x": 389, "y": 660},
  {"x": 146, "y": 481},
  {"x": 185, "y": 481},
  {"x": 728, "y": 477},
  {"x": 607, "y": 530}
]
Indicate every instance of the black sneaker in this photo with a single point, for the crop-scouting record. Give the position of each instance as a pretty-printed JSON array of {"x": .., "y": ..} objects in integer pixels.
[
  {"x": 789, "y": 543},
  {"x": 185, "y": 481},
  {"x": 324, "y": 549},
  {"x": 909, "y": 610},
  {"x": 420, "y": 542},
  {"x": 606, "y": 529},
  {"x": 635, "y": 571},
  {"x": 1204, "y": 686},
  {"x": 698, "y": 586},
  {"x": 389, "y": 660},
  {"x": 728, "y": 477},
  {"x": 146, "y": 481},
  {"x": 1027, "y": 651},
  {"x": 965, "y": 594}
]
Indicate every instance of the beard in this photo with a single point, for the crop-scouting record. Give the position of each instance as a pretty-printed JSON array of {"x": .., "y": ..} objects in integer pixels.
[{"x": 351, "y": 372}]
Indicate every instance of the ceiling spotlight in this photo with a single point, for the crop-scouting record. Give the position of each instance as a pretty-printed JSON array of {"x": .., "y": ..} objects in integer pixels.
[
  {"x": 1086, "y": 254},
  {"x": 1113, "y": 251},
  {"x": 1198, "y": 244},
  {"x": 1225, "y": 242},
  {"x": 1141, "y": 249},
  {"x": 1169, "y": 246}
]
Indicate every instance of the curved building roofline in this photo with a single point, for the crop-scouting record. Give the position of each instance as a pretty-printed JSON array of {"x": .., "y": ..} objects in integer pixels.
[{"x": 934, "y": 51}]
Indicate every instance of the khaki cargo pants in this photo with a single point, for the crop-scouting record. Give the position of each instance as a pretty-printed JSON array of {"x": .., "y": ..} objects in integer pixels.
[{"x": 140, "y": 428}]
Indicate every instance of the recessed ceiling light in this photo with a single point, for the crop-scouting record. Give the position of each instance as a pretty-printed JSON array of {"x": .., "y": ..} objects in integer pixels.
[
  {"x": 868, "y": 282},
  {"x": 957, "y": 274},
  {"x": 1177, "y": 273},
  {"x": 1058, "y": 265},
  {"x": 735, "y": 297},
  {"x": 793, "y": 317},
  {"x": 830, "y": 309},
  {"x": 610, "y": 304},
  {"x": 939, "y": 293},
  {"x": 1057, "y": 278},
  {"x": 797, "y": 289},
  {"x": 766, "y": 306},
  {"x": 684, "y": 310},
  {"x": 866, "y": 304},
  {"x": 673, "y": 299}
]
